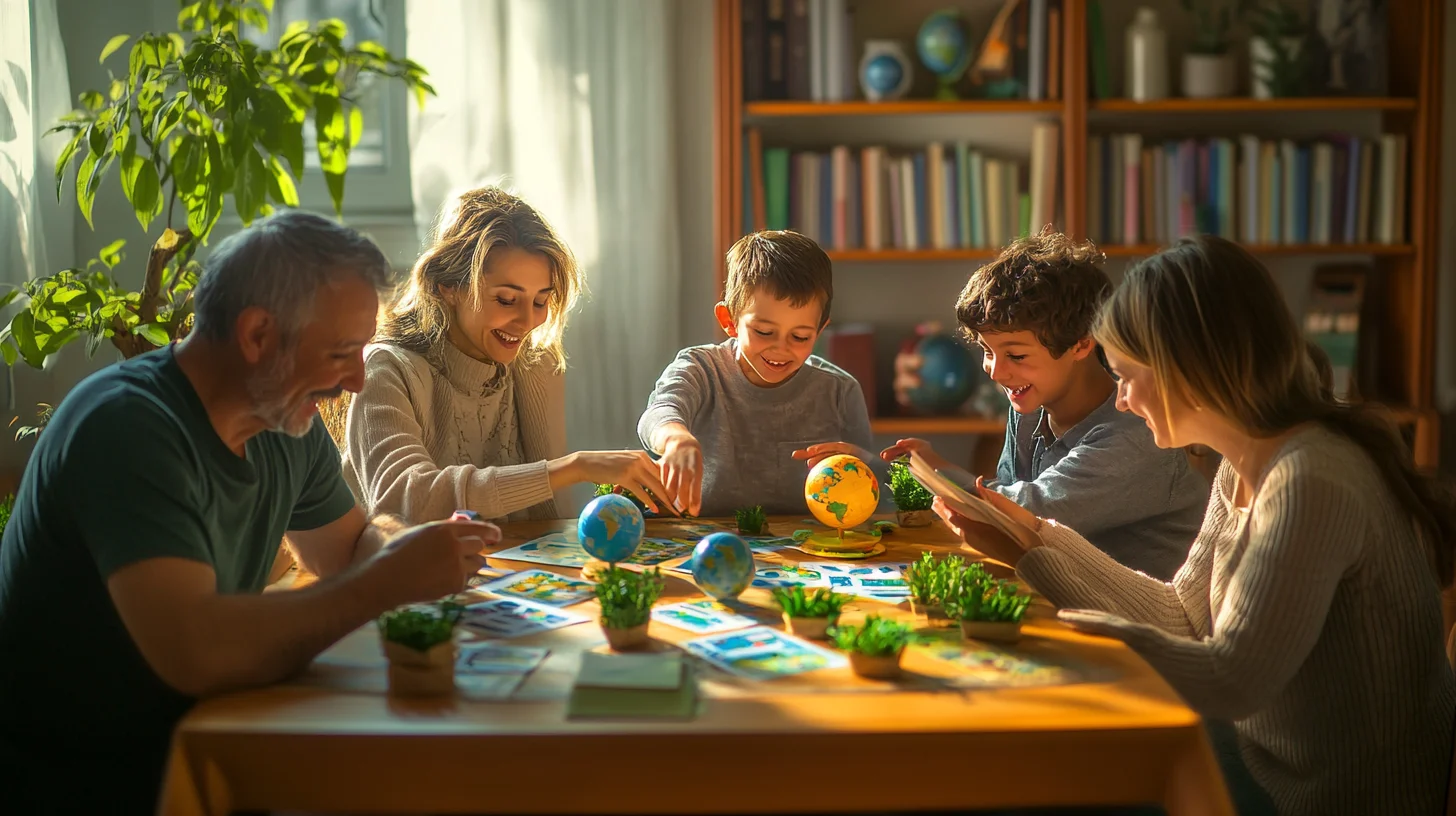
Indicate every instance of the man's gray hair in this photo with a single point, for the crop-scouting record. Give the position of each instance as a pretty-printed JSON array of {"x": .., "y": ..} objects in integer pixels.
[{"x": 277, "y": 264}]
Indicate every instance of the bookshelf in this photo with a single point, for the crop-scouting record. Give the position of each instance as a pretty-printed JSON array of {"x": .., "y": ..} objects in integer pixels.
[{"x": 1404, "y": 279}]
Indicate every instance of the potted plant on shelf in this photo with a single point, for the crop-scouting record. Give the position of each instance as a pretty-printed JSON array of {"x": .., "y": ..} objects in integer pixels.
[
  {"x": 1208, "y": 67},
  {"x": 626, "y": 598},
  {"x": 1278, "y": 53},
  {"x": 987, "y": 608},
  {"x": 420, "y": 645},
  {"x": 198, "y": 116},
  {"x": 810, "y": 616},
  {"x": 912, "y": 500},
  {"x": 752, "y": 520},
  {"x": 874, "y": 647},
  {"x": 929, "y": 580}
]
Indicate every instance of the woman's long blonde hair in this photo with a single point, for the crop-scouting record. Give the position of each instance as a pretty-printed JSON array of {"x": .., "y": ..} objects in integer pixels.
[
  {"x": 469, "y": 231},
  {"x": 1210, "y": 322}
]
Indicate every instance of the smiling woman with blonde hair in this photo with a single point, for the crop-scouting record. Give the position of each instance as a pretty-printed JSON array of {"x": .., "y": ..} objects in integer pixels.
[
  {"x": 463, "y": 405},
  {"x": 1308, "y": 612}
]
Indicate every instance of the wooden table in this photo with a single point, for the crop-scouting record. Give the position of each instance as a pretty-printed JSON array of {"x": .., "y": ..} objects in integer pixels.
[{"x": 299, "y": 746}]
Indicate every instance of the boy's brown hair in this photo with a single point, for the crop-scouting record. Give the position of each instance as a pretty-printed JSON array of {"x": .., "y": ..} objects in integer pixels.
[
  {"x": 1047, "y": 284},
  {"x": 783, "y": 263}
]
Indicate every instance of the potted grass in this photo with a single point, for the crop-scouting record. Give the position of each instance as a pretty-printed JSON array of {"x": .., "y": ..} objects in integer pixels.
[
  {"x": 912, "y": 500},
  {"x": 1278, "y": 54},
  {"x": 929, "y": 580},
  {"x": 752, "y": 520},
  {"x": 807, "y": 615},
  {"x": 874, "y": 647},
  {"x": 1208, "y": 66},
  {"x": 626, "y": 598},
  {"x": 988, "y": 608},
  {"x": 420, "y": 645}
]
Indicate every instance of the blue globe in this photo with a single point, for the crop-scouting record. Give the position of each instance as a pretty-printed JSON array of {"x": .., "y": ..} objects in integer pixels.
[
  {"x": 610, "y": 528},
  {"x": 947, "y": 375},
  {"x": 942, "y": 45},
  {"x": 722, "y": 565},
  {"x": 883, "y": 74}
]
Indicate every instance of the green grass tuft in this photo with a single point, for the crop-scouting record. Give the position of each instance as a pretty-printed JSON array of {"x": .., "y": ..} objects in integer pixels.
[{"x": 626, "y": 596}]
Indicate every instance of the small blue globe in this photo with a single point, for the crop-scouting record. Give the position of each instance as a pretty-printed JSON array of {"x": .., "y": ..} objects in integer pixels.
[
  {"x": 883, "y": 74},
  {"x": 947, "y": 375},
  {"x": 722, "y": 565},
  {"x": 610, "y": 528},
  {"x": 942, "y": 45}
]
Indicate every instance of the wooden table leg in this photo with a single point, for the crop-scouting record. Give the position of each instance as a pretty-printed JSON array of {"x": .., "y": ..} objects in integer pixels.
[{"x": 1195, "y": 785}]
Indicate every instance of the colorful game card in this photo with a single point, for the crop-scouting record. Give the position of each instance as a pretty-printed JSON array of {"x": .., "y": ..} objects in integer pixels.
[
  {"x": 514, "y": 617},
  {"x": 762, "y": 653},
  {"x": 780, "y": 575},
  {"x": 654, "y": 551},
  {"x": 880, "y": 582},
  {"x": 543, "y": 587},
  {"x": 493, "y": 658},
  {"x": 557, "y": 549},
  {"x": 703, "y": 617}
]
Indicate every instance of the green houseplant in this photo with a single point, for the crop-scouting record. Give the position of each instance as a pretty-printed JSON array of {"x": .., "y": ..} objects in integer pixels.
[
  {"x": 810, "y": 615},
  {"x": 200, "y": 115},
  {"x": 988, "y": 608},
  {"x": 874, "y": 646},
  {"x": 1279, "y": 54},
  {"x": 420, "y": 645},
  {"x": 626, "y": 597},
  {"x": 7, "y": 506},
  {"x": 912, "y": 500},
  {"x": 930, "y": 580},
  {"x": 1208, "y": 65},
  {"x": 751, "y": 520}
]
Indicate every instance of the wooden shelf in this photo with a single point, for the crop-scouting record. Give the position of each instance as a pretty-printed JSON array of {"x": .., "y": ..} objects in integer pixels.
[
  {"x": 1237, "y": 104},
  {"x": 913, "y": 425},
  {"x": 903, "y": 107},
  {"x": 909, "y": 255},
  {"x": 1143, "y": 250}
]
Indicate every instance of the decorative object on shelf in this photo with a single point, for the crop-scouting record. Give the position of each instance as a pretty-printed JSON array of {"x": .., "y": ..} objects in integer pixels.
[
  {"x": 1279, "y": 56},
  {"x": 987, "y": 608},
  {"x": 419, "y": 642},
  {"x": 1146, "y": 58},
  {"x": 874, "y": 647},
  {"x": 944, "y": 46},
  {"x": 1351, "y": 49},
  {"x": 842, "y": 492},
  {"x": 809, "y": 615},
  {"x": 1208, "y": 67},
  {"x": 626, "y": 598},
  {"x": 947, "y": 372},
  {"x": 722, "y": 565},
  {"x": 992, "y": 69},
  {"x": 885, "y": 71},
  {"x": 912, "y": 500},
  {"x": 610, "y": 528}
]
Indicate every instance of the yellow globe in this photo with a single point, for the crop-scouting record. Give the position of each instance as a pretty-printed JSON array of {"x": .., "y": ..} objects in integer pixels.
[{"x": 842, "y": 491}]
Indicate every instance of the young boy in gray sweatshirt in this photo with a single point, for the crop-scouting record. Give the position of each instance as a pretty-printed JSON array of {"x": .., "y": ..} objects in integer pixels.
[{"x": 733, "y": 422}]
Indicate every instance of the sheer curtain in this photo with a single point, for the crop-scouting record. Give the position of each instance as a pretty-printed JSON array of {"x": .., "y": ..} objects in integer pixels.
[{"x": 569, "y": 103}]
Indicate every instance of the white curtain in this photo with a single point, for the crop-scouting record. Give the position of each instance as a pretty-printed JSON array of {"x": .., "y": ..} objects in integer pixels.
[
  {"x": 35, "y": 229},
  {"x": 568, "y": 103}
]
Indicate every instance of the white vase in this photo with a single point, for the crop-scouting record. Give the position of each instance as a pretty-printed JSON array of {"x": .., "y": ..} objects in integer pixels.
[
  {"x": 1208, "y": 76},
  {"x": 1146, "y": 75},
  {"x": 1260, "y": 54}
]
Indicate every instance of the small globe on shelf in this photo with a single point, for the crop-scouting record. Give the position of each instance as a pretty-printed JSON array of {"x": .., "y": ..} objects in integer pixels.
[
  {"x": 722, "y": 565},
  {"x": 947, "y": 375},
  {"x": 943, "y": 44},
  {"x": 610, "y": 528}
]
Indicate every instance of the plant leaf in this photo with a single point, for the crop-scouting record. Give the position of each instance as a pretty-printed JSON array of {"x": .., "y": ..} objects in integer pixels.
[
  {"x": 64, "y": 160},
  {"x": 153, "y": 333},
  {"x": 86, "y": 193},
  {"x": 111, "y": 254},
  {"x": 281, "y": 184},
  {"x": 356, "y": 126},
  {"x": 250, "y": 187}
]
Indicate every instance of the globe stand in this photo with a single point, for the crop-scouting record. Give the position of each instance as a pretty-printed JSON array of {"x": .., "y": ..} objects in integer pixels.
[{"x": 846, "y": 545}]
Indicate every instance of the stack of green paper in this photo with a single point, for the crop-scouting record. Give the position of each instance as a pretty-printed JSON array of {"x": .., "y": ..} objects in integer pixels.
[{"x": 633, "y": 686}]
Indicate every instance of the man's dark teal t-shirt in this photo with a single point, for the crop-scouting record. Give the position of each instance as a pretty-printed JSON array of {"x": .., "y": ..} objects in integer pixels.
[{"x": 129, "y": 468}]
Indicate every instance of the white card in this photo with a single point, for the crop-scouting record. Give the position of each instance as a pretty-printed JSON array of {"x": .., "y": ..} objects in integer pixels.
[
  {"x": 703, "y": 617},
  {"x": 515, "y": 617},
  {"x": 542, "y": 587}
]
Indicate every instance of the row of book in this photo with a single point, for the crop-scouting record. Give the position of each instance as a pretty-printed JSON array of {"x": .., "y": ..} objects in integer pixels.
[
  {"x": 1338, "y": 190},
  {"x": 804, "y": 50},
  {"x": 944, "y": 196}
]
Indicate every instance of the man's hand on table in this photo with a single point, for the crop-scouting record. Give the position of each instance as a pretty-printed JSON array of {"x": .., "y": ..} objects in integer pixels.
[{"x": 434, "y": 560}]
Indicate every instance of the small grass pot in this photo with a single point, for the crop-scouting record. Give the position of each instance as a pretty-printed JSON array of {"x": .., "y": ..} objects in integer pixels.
[
  {"x": 992, "y": 631},
  {"x": 912, "y": 500},
  {"x": 915, "y": 518},
  {"x": 419, "y": 642},
  {"x": 626, "y": 598},
  {"x": 874, "y": 647},
  {"x": 988, "y": 609},
  {"x": 810, "y": 615}
]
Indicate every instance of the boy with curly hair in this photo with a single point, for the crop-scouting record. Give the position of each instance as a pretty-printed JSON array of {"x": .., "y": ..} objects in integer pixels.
[{"x": 1070, "y": 453}]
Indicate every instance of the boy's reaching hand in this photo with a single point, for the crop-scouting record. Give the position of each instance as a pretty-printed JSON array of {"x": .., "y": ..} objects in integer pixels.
[
  {"x": 905, "y": 447},
  {"x": 815, "y": 454},
  {"x": 682, "y": 470}
]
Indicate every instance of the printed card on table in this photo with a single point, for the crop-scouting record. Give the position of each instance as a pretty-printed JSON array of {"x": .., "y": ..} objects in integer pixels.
[
  {"x": 782, "y": 575},
  {"x": 880, "y": 582},
  {"x": 762, "y": 653},
  {"x": 543, "y": 587},
  {"x": 493, "y": 658},
  {"x": 515, "y": 617},
  {"x": 555, "y": 549},
  {"x": 703, "y": 617}
]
